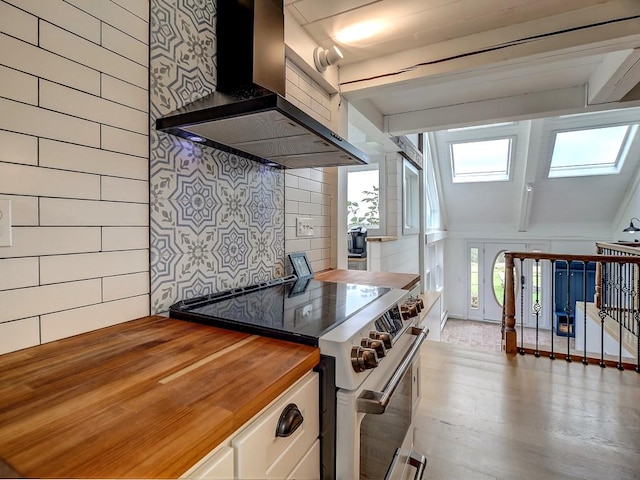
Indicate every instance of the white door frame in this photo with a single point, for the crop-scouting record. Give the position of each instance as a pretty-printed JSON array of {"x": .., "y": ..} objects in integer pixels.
[{"x": 488, "y": 308}]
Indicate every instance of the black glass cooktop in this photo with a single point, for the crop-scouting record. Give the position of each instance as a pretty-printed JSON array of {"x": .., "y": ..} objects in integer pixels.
[{"x": 299, "y": 310}]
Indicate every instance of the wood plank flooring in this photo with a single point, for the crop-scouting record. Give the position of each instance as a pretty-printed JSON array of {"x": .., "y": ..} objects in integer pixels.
[{"x": 486, "y": 415}]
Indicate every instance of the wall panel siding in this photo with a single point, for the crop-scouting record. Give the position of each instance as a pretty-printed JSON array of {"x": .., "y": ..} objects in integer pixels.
[{"x": 74, "y": 163}]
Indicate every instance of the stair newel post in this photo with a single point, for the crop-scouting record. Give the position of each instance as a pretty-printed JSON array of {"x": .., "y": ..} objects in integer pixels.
[{"x": 510, "y": 335}]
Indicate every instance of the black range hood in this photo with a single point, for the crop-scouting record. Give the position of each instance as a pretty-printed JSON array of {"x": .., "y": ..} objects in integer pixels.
[{"x": 248, "y": 114}]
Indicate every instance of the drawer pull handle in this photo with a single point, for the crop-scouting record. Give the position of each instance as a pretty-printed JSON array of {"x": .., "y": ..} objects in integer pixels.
[{"x": 290, "y": 420}]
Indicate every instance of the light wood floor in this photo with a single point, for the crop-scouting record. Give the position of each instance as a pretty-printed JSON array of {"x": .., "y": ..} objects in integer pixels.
[{"x": 486, "y": 415}]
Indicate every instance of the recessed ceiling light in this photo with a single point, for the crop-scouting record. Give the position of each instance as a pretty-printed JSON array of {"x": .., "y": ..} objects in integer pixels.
[{"x": 360, "y": 31}]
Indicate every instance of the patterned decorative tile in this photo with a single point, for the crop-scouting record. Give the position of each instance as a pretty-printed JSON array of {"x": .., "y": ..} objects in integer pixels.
[{"x": 217, "y": 219}]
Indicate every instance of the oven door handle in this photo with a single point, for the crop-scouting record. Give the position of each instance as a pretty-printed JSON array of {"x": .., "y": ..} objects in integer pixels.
[
  {"x": 415, "y": 459},
  {"x": 376, "y": 402}
]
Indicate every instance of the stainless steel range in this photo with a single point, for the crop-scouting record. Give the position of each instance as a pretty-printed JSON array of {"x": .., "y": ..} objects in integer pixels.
[{"x": 369, "y": 340}]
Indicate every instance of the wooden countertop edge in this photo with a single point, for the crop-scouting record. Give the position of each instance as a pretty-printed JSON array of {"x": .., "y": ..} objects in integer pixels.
[
  {"x": 404, "y": 281},
  {"x": 386, "y": 238},
  {"x": 173, "y": 456}
]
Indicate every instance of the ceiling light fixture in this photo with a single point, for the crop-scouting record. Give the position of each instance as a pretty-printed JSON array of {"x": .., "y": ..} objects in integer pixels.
[
  {"x": 360, "y": 31},
  {"x": 323, "y": 58},
  {"x": 632, "y": 228}
]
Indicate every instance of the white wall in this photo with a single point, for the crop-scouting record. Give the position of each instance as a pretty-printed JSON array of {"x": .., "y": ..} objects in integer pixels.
[
  {"x": 402, "y": 254},
  {"x": 311, "y": 192},
  {"x": 74, "y": 163}
]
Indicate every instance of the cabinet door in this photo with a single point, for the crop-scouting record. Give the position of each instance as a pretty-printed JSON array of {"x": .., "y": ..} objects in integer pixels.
[
  {"x": 261, "y": 454},
  {"x": 219, "y": 466},
  {"x": 309, "y": 466}
]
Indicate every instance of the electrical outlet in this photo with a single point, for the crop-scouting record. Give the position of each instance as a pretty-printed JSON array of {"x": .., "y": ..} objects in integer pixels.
[
  {"x": 304, "y": 227},
  {"x": 5, "y": 223}
]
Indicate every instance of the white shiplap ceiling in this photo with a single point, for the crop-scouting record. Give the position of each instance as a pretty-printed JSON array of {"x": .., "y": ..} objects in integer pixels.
[{"x": 447, "y": 63}]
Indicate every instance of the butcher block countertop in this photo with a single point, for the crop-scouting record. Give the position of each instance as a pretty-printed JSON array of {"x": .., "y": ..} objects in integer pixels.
[
  {"x": 146, "y": 398},
  {"x": 404, "y": 281}
]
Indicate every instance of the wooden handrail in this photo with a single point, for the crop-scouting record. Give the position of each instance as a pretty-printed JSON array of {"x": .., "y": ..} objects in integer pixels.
[
  {"x": 632, "y": 248},
  {"x": 509, "y": 310},
  {"x": 572, "y": 257}
]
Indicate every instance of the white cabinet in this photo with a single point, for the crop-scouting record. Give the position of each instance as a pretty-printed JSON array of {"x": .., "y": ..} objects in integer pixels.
[
  {"x": 218, "y": 465},
  {"x": 256, "y": 452},
  {"x": 261, "y": 454}
]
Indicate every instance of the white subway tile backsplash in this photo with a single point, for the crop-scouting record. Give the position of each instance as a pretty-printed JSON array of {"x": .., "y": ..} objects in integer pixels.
[
  {"x": 298, "y": 245},
  {"x": 125, "y": 93},
  {"x": 125, "y": 190},
  {"x": 18, "y": 86},
  {"x": 320, "y": 243},
  {"x": 35, "y": 241},
  {"x": 18, "y": 148},
  {"x": 63, "y": 212},
  {"x": 79, "y": 104},
  {"x": 320, "y": 198},
  {"x": 64, "y": 15},
  {"x": 291, "y": 181},
  {"x": 66, "y": 268},
  {"x": 44, "y": 123},
  {"x": 311, "y": 185},
  {"x": 24, "y": 210},
  {"x": 87, "y": 53},
  {"x": 117, "y": 17},
  {"x": 297, "y": 195},
  {"x": 124, "y": 238},
  {"x": 20, "y": 303},
  {"x": 73, "y": 322},
  {"x": 299, "y": 172},
  {"x": 125, "y": 45},
  {"x": 138, "y": 8},
  {"x": 291, "y": 206},
  {"x": 310, "y": 208},
  {"x": 36, "y": 61},
  {"x": 18, "y": 24},
  {"x": 19, "y": 334},
  {"x": 124, "y": 286},
  {"x": 29, "y": 180},
  {"x": 18, "y": 273},
  {"x": 123, "y": 141},
  {"x": 294, "y": 93},
  {"x": 68, "y": 156},
  {"x": 74, "y": 162}
]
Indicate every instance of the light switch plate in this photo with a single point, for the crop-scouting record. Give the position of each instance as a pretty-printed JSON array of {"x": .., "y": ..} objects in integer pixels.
[
  {"x": 5, "y": 223},
  {"x": 304, "y": 227}
]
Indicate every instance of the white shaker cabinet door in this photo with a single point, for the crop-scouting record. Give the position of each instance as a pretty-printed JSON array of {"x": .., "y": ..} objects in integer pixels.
[
  {"x": 218, "y": 466},
  {"x": 309, "y": 466},
  {"x": 261, "y": 454}
]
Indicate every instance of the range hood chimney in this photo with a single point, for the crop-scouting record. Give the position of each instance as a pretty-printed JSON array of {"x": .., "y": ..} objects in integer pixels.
[{"x": 248, "y": 114}]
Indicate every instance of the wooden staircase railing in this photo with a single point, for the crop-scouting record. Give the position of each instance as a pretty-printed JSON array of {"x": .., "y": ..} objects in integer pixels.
[{"x": 617, "y": 298}]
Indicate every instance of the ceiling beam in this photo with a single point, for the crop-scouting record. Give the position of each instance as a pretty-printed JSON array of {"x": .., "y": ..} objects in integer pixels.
[
  {"x": 432, "y": 161},
  {"x": 517, "y": 107},
  {"x": 514, "y": 43},
  {"x": 531, "y": 159},
  {"x": 618, "y": 73}
]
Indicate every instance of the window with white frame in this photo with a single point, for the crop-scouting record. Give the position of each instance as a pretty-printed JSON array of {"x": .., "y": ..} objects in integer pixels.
[
  {"x": 482, "y": 160},
  {"x": 365, "y": 198},
  {"x": 590, "y": 151}
]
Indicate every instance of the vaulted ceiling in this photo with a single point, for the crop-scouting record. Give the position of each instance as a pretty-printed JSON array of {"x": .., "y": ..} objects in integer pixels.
[{"x": 438, "y": 64}]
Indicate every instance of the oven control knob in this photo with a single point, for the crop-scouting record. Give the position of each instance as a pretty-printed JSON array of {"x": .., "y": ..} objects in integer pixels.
[
  {"x": 363, "y": 358},
  {"x": 377, "y": 345},
  {"x": 384, "y": 337}
]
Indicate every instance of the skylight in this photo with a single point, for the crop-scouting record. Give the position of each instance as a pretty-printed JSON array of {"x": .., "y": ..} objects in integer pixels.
[
  {"x": 592, "y": 151},
  {"x": 482, "y": 161},
  {"x": 475, "y": 127}
]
